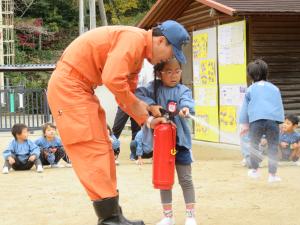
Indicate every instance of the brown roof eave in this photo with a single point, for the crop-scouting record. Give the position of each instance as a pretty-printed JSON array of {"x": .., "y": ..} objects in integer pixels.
[
  {"x": 268, "y": 13},
  {"x": 143, "y": 22},
  {"x": 218, "y": 6}
]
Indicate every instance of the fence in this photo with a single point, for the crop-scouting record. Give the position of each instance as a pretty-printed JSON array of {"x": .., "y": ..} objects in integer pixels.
[{"x": 23, "y": 105}]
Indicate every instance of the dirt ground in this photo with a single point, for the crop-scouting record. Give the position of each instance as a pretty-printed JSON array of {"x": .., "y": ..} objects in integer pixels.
[{"x": 225, "y": 196}]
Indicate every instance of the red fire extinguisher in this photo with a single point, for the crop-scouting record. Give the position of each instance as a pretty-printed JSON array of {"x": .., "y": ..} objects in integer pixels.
[{"x": 164, "y": 151}]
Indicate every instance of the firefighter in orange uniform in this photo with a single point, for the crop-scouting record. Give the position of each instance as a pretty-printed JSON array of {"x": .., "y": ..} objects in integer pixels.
[{"x": 113, "y": 56}]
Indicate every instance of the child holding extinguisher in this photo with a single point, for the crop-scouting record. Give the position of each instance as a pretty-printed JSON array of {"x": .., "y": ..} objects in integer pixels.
[{"x": 158, "y": 94}]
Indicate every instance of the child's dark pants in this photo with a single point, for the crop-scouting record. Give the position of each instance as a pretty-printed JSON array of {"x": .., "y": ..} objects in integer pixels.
[
  {"x": 59, "y": 154},
  {"x": 133, "y": 146},
  {"x": 18, "y": 165},
  {"x": 270, "y": 129}
]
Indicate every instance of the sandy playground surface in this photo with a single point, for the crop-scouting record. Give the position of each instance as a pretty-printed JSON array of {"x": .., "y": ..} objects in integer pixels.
[{"x": 225, "y": 196}]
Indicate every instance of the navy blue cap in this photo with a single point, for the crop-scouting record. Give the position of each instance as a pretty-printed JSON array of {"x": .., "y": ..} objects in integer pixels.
[{"x": 177, "y": 36}]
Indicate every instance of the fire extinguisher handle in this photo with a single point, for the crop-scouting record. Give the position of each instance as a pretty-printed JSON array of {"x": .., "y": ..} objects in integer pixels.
[{"x": 173, "y": 151}]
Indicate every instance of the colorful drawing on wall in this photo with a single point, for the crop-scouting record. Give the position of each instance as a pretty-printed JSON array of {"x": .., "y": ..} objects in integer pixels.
[
  {"x": 206, "y": 96},
  {"x": 205, "y": 84},
  {"x": 232, "y": 53},
  {"x": 232, "y": 77},
  {"x": 232, "y": 94},
  {"x": 200, "y": 42},
  {"x": 209, "y": 115},
  {"x": 208, "y": 72},
  {"x": 231, "y": 44},
  {"x": 228, "y": 120},
  {"x": 202, "y": 130}
]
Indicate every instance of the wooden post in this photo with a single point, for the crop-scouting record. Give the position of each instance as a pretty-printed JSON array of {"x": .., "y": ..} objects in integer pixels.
[
  {"x": 92, "y": 6},
  {"x": 81, "y": 17},
  {"x": 102, "y": 12}
]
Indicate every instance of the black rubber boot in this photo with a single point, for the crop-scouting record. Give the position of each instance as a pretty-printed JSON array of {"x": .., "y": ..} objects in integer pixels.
[{"x": 109, "y": 213}]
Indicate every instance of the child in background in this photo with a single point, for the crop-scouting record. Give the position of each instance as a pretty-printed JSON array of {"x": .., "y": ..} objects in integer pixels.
[
  {"x": 261, "y": 113},
  {"x": 21, "y": 153},
  {"x": 115, "y": 144},
  {"x": 52, "y": 150},
  {"x": 141, "y": 147},
  {"x": 290, "y": 139},
  {"x": 158, "y": 94}
]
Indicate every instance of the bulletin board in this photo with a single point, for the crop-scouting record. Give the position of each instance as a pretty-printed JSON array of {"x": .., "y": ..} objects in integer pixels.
[
  {"x": 205, "y": 79},
  {"x": 232, "y": 63}
]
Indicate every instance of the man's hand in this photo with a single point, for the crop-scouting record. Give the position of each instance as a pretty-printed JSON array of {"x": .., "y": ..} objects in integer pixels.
[
  {"x": 154, "y": 110},
  {"x": 32, "y": 158},
  {"x": 11, "y": 160},
  {"x": 157, "y": 121},
  {"x": 139, "y": 109},
  {"x": 184, "y": 112},
  {"x": 284, "y": 144}
]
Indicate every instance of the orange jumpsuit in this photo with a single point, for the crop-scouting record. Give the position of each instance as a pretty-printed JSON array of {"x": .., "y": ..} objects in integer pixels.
[{"x": 112, "y": 56}]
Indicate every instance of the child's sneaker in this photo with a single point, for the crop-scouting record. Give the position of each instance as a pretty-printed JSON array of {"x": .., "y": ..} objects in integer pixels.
[
  {"x": 254, "y": 174},
  {"x": 57, "y": 166},
  {"x": 190, "y": 221},
  {"x": 39, "y": 169},
  {"x": 166, "y": 221},
  {"x": 244, "y": 162},
  {"x": 132, "y": 158},
  {"x": 273, "y": 178},
  {"x": 69, "y": 165},
  {"x": 5, "y": 170}
]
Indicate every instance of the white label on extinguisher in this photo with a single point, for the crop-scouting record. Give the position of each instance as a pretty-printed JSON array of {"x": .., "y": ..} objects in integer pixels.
[{"x": 172, "y": 107}]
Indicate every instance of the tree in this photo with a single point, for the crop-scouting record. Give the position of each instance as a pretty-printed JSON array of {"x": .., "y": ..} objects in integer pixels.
[{"x": 22, "y": 6}]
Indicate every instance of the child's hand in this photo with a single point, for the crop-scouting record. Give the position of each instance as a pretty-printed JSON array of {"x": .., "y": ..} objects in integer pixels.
[
  {"x": 244, "y": 128},
  {"x": 184, "y": 112},
  {"x": 45, "y": 154},
  {"x": 11, "y": 160},
  {"x": 154, "y": 110},
  {"x": 263, "y": 142},
  {"x": 294, "y": 146},
  {"x": 284, "y": 145},
  {"x": 32, "y": 158},
  {"x": 53, "y": 150},
  {"x": 140, "y": 161}
]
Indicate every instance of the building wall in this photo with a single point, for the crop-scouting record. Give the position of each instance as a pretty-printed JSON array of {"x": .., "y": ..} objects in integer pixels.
[
  {"x": 276, "y": 39},
  {"x": 187, "y": 75},
  {"x": 198, "y": 16}
]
